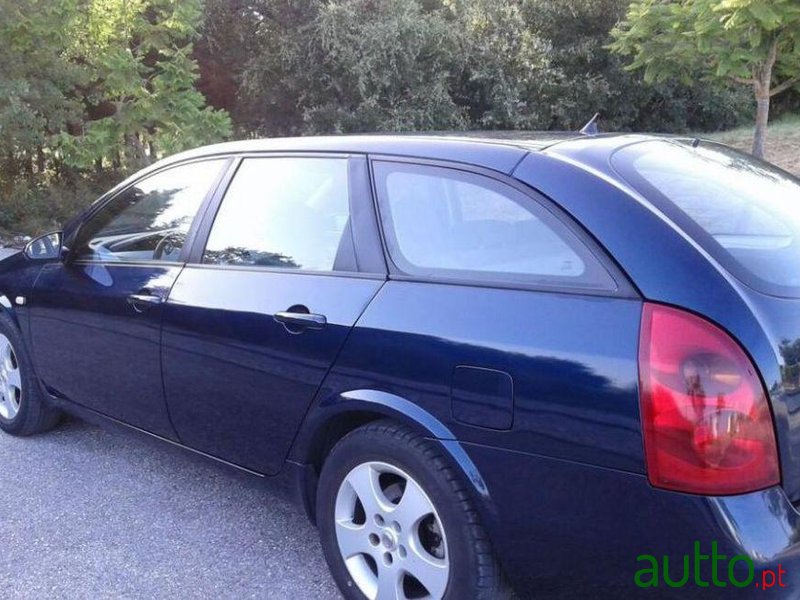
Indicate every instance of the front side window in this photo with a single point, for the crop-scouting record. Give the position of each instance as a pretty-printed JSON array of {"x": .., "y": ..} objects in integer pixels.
[
  {"x": 149, "y": 220},
  {"x": 744, "y": 212},
  {"x": 446, "y": 223},
  {"x": 286, "y": 213}
]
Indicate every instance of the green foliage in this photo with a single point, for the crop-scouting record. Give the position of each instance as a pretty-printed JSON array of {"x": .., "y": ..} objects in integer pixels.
[
  {"x": 383, "y": 65},
  {"x": 308, "y": 66},
  {"x": 750, "y": 42},
  {"x": 142, "y": 83},
  {"x": 39, "y": 205},
  {"x": 91, "y": 87},
  {"x": 88, "y": 83},
  {"x": 724, "y": 38},
  {"x": 353, "y": 65},
  {"x": 590, "y": 78},
  {"x": 36, "y": 84},
  {"x": 503, "y": 65}
]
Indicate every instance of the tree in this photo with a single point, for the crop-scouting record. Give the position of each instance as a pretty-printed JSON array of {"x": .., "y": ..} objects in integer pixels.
[
  {"x": 349, "y": 66},
  {"x": 226, "y": 44},
  {"x": 586, "y": 77},
  {"x": 748, "y": 42},
  {"x": 502, "y": 66},
  {"x": 313, "y": 66},
  {"x": 36, "y": 84},
  {"x": 139, "y": 96}
]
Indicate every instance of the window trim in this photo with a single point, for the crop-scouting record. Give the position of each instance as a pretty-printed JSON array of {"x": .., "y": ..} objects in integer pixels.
[
  {"x": 110, "y": 196},
  {"x": 621, "y": 286},
  {"x": 368, "y": 260}
]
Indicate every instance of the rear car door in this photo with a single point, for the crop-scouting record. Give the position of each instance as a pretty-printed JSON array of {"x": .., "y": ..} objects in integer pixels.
[
  {"x": 286, "y": 265},
  {"x": 95, "y": 319}
]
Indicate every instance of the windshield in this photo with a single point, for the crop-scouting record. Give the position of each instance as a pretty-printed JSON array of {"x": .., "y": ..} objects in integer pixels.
[{"x": 744, "y": 212}]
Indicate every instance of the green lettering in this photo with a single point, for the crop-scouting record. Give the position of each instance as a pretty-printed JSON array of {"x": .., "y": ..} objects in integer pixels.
[
  {"x": 750, "y": 567},
  {"x": 714, "y": 558},
  {"x": 698, "y": 558},
  {"x": 686, "y": 572},
  {"x": 652, "y": 571}
]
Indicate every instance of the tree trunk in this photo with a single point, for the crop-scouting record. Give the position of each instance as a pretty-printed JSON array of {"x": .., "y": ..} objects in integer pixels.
[
  {"x": 762, "y": 118},
  {"x": 762, "y": 86},
  {"x": 40, "y": 160}
]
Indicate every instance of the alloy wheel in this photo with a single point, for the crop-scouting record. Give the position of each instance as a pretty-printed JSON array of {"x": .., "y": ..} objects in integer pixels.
[
  {"x": 10, "y": 380},
  {"x": 390, "y": 535}
]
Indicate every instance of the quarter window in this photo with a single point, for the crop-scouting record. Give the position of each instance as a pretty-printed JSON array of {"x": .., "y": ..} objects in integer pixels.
[
  {"x": 150, "y": 219},
  {"x": 442, "y": 222},
  {"x": 286, "y": 213}
]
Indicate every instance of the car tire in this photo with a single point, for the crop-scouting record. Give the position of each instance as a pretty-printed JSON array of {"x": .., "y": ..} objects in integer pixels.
[
  {"x": 419, "y": 533},
  {"x": 23, "y": 410}
]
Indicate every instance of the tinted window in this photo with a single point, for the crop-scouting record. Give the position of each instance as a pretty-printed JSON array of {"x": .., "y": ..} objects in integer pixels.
[
  {"x": 150, "y": 219},
  {"x": 288, "y": 213},
  {"x": 449, "y": 223},
  {"x": 745, "y": 212}
]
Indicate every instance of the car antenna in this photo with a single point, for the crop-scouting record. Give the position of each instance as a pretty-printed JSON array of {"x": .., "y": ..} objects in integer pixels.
[{"x": 591, "y": 127}]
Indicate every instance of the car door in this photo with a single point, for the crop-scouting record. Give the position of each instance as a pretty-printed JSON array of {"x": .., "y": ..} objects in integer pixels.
[
  {"x": 254, "y": 322},
  {"x": 95, "y": 318}
]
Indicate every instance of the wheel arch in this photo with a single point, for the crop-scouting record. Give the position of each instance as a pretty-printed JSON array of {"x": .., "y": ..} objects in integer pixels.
[{"x": 338, "y": 415}]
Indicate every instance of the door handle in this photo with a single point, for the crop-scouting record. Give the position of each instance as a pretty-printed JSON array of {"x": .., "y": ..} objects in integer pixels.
[
  {"x": 296, "y": 322},
  {"x": 142, "y": 302}
]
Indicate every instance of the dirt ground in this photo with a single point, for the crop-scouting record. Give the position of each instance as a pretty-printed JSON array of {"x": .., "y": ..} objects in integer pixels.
[{"x": 783, "y": 142}]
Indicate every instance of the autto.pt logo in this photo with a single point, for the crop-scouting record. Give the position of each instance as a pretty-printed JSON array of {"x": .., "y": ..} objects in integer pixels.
[{"x": 705, "y": 569}]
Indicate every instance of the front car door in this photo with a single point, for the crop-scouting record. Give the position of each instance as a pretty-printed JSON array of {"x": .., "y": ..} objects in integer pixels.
[
  {"x": 258, "y": 316},
  {"x": 95, "y": 319}
]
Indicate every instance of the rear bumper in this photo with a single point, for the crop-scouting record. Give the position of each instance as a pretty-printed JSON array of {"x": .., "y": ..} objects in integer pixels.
[{"x": 569, "y": 530}]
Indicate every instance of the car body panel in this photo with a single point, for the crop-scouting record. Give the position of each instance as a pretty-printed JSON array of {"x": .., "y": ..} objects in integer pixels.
[
  {"x": 238, "y": 383},
  {"x": 668, "y": 267},
  {"x": 17, "y": 276},
  {"x": 572, "y": 359},
  {"x": 82, "y": 324},
  {"x": 570, "y": 530}
]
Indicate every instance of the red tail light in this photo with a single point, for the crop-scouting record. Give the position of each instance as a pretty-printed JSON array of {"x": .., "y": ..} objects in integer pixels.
[{"x": 707, "y": 424}]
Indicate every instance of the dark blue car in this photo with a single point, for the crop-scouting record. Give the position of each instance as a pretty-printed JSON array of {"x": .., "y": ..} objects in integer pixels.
[{"x": 560, "y": 365}]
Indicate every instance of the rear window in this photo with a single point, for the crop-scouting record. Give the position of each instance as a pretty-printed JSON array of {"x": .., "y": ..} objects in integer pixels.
[{"x": 744, "y": 212}]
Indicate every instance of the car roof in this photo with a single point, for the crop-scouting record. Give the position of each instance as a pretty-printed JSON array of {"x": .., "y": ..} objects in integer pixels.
[
  {"x": 500, "y": 151},
  {"x": 497, "y": 150}
]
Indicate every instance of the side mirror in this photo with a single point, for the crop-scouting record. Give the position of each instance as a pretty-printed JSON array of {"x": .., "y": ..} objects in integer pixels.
[{"x": 44, "y": 247}]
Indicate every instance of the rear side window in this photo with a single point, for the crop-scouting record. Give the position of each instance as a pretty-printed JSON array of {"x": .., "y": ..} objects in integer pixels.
[
  {"x": 743, "y": 211},
  {"x": 289, "y": 213},
  {"x": 447, "y": 223}
]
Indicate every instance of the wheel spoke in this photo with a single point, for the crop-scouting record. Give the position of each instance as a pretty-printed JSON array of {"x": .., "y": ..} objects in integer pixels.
[
  {"x": 390, "y": 584},
  {"x": 433, "y": 573},
  {"x": 413, "y": 506},
  {"x": 13, "y": 400},
  {"x": 364, "y": 481},
  {"x": 14, "y": 379},
  {"x": 8, "y": 404},
  {"x": 352, "y": 539},
  {"x": 5, "y": 353}
]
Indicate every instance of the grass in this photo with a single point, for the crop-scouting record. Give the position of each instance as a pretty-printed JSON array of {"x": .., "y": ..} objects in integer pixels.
[{"x": 783, "y": 141}]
